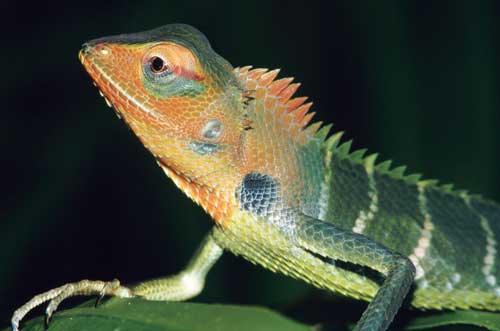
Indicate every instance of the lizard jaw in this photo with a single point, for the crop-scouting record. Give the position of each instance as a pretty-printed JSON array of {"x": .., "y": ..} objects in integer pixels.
[{"x": 117, "y": 97}]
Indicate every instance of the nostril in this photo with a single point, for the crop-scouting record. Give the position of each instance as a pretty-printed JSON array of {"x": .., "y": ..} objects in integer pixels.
[
  {"x": 85, "y": 47},
  {"x": 84, "y": 50},
  {"x": 92, "y": 48}
]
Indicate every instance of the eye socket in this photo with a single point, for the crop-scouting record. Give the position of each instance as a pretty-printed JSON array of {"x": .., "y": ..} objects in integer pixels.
[
  {"x": 167, "y": 70},
  {"x": 157, "y": 65}
]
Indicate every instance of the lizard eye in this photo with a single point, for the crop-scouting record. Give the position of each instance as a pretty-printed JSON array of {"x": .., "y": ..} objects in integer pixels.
[
  {"x": 169, "y": 70},
  {"x": 157, "y": 65},
  {"x": 158, "y": 70},
  {"x": 212, "y": 129}
]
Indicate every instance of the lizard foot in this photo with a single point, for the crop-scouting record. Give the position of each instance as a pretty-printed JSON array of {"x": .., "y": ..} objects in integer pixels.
[{"x": 58, "y": 294}]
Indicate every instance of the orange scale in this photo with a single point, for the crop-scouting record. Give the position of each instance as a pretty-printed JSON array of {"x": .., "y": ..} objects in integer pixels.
[
  {"x": 288, "y": 92},
  {"x": 280, "y": 110},
  {"x": 251, "y": 85},
  {"x": 259, "y": 107},
  {"x": 256, "y": 73},
  {"x": 269, "y": 102},
  {"x": 278, "y": 85},
  {"x": 260, "y": 93},
  {"x": 268, "y": 77}
]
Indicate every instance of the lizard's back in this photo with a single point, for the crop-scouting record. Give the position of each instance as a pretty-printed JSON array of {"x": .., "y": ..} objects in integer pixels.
[{"x": 449, "y": 235}]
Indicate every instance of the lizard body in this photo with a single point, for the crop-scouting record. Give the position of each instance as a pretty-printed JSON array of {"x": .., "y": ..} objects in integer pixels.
[{"x": 284, "y": 193}]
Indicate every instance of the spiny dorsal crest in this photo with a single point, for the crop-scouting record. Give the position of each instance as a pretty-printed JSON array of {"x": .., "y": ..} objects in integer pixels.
[
  {"x": 343, "y": 151},
  {"x": 274, "y": 96}
]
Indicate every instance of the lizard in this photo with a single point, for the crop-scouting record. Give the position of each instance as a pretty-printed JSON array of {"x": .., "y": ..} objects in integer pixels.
[{"x": 284, "y": 192}]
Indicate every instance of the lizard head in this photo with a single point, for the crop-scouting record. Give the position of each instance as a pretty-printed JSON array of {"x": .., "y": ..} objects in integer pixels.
[{"x": 179, "y": 97}]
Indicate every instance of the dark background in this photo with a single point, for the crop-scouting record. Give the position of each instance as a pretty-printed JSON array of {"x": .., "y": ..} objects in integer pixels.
[{"x": 417, "y": 81}]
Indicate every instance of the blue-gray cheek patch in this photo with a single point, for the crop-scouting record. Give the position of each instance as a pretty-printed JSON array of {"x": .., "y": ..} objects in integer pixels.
[
  {"x": 203, "y": 148},
  {"x": 172, "y": 86},
  {"x": 258, "y": 193}
]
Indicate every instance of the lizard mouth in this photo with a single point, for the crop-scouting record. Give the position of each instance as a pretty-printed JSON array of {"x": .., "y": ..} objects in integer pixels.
[
  {"x": 97, "y": 58},
  {"x": 86, "y": 58},
  {"x": 85, "y": 62}
]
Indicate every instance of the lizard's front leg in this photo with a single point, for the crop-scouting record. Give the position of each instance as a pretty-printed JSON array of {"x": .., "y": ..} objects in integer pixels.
[
  {"x": 189, "y": 282},
  {"x": 327, "y": 240},
  {"x": 186, "y": 284}
]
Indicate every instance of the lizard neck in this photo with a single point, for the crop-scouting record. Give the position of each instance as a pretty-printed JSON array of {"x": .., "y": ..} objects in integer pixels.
[{"x": 217, "y": 203}]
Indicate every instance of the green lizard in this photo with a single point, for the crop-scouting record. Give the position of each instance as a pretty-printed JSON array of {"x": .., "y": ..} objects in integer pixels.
[{"x": 284, "y": 193}]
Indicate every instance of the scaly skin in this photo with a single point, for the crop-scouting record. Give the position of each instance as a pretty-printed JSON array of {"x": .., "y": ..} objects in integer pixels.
[{"x": 281, "y": 193}]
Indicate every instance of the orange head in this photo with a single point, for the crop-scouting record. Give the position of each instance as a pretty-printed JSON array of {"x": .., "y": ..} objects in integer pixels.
[{"x": 179, "y": 97}]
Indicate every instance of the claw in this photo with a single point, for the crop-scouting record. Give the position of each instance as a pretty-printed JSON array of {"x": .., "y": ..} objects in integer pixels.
[
  {"x": 108, "y": 286},
  {"x": 47, "y": 320},
  {"x": 48, "y": 314},
  {"x": 99, "y": 299},
  {"x": 57, "y": 295}
]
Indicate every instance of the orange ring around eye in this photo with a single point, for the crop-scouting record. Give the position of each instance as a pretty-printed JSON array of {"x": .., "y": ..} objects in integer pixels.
[{"x": 179, "y": 59}]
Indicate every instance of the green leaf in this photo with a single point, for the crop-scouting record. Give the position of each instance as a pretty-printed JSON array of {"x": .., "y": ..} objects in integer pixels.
[
  {"x": 142, "y": 315},
  {"x": 487, "y": 320}
]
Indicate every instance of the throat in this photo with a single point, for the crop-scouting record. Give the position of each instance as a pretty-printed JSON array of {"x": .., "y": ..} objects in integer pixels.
[{"x": 211, "y": 201}]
